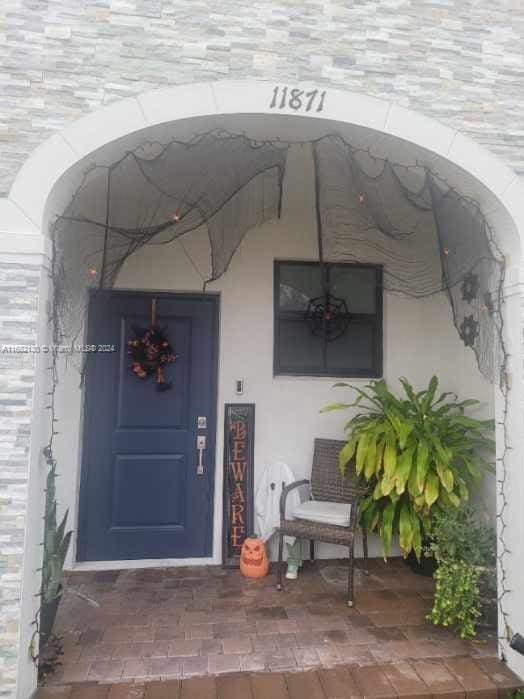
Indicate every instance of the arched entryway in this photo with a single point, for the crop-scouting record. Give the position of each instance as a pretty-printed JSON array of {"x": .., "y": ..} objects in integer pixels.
[{"x": 46, "y": 183}]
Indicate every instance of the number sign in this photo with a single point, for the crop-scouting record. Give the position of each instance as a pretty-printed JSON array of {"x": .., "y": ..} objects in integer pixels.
[{"x": 285, "y": 97}]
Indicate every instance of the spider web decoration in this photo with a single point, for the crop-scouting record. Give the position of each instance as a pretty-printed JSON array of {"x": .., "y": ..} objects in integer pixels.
[
  {"x": 156, "y": 194},
  {"x": 328, "y": 316},
  {"x": 427, "y": 237}
]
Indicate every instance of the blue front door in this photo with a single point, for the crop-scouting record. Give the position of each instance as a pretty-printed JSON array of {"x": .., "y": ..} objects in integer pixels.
[{"x": 142, "y": 494}]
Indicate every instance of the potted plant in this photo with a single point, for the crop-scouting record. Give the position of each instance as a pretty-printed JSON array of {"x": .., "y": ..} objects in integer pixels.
[
  {"x": 56, "y": 545},
  {"x": 466, "y": 586},
  {"x": 419, "y": 453}
]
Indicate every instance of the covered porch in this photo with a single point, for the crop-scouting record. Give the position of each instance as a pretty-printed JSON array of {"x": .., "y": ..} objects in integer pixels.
[
  {"x": 262, "y": 305},
  {"x": 136, "y": 609}
]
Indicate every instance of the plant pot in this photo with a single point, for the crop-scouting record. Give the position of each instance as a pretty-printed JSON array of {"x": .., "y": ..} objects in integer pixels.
[
  {"x": 488, "y": 599},
  {"x": 426, "y": 566},
  {"x": 488, "y": 618},
  {"x": 48, "y": 612}
]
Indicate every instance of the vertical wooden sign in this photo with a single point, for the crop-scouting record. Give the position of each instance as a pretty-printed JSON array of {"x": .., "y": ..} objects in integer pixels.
[{"x": 239, "y": 451}]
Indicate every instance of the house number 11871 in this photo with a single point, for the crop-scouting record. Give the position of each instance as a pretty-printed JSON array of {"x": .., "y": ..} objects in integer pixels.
[{"x": 298, "y": 100}]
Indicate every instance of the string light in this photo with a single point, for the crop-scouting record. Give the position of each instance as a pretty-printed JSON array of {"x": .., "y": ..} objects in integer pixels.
[{"x": 502, "y": 473}]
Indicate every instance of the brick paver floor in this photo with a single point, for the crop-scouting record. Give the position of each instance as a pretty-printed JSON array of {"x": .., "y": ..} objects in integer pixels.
[
  {"x": 403, "y": 679},
  {"x": 138, "y": 626}
]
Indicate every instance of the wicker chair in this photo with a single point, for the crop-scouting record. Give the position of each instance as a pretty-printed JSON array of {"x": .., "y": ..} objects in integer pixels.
[{"x": 326, "y": 484}]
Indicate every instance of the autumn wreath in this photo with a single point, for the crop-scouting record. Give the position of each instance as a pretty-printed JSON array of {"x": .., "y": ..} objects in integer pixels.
[{"x": 151, "y": 351}]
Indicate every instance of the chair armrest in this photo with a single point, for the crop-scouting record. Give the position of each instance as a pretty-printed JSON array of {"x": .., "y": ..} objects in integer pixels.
[{"x": 286, "y": 489}]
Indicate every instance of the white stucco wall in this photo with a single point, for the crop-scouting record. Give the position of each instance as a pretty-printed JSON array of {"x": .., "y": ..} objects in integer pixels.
[{"x": 419, "y": 341}]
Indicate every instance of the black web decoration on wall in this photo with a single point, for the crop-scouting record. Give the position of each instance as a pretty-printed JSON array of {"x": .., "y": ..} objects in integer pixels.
[
  {"x": 151, "y": 352},
  {"x": 367, "y": 210},
  {"x": 328, "y": 316}
]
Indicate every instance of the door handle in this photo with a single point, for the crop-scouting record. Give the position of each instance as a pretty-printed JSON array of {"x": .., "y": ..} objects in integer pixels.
[{"x": 201, "y": 445}]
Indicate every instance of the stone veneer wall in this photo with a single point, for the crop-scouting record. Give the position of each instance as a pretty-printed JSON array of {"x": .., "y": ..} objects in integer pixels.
[
  {"x": 460, "y": 61},
  {"x": 19, "y": 291}
]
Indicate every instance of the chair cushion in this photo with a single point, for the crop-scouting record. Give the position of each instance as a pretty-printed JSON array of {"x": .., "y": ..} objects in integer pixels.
[{"x": 337, "y": 513}]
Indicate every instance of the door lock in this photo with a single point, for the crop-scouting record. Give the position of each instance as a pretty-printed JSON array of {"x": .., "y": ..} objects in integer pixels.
[{"x": 201, "y": 445}]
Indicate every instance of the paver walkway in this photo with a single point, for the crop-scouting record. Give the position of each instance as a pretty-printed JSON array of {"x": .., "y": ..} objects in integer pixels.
[
  {"x": 178, "y": 623},
  {"x": 423, "y": 679}
]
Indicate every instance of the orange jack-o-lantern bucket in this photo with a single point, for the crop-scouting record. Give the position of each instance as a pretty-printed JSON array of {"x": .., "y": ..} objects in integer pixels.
[{"x": 253, "y": 558}]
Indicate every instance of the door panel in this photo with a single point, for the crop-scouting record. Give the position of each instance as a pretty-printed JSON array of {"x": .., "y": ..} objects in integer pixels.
[
  {"x": 147, "y": 490},
  {"x": 141, "y": 495}
]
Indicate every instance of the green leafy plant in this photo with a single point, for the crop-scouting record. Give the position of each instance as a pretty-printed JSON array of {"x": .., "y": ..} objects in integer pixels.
[
  {"x": 465, "y": 548},
  {"x": 56, "y": 539},
  {"x": 458, "y": 533},
  {"x": 418, "y": 453},
  {"x": 456, "y": 601}
]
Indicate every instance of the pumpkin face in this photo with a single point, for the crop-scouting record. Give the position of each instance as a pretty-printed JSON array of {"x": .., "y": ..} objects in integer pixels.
[{"x": 253, "y": 558}]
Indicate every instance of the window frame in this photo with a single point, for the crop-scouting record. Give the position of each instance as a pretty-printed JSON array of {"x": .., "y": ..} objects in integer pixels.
[{"x": 375, "y": 320}]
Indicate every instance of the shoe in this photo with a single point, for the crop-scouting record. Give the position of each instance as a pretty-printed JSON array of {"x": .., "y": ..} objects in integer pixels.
[{"x": 292, "y": 571}]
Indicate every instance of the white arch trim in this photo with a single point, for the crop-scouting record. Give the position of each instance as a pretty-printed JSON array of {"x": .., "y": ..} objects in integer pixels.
[{"x": 24, "y": 209}]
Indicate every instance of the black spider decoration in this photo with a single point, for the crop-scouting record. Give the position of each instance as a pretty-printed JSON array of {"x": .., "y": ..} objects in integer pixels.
[
  {"x": 328, "y": 316},
  {"x": 489, "y": 303},
  {"x": 470, "y": 287},
  {"x": 469, "y": 331}
]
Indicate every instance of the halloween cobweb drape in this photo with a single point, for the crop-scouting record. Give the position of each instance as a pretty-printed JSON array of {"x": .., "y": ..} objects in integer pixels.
[
  {"x": 154, "y": 196},
  {"x": 427, "y": 237}
]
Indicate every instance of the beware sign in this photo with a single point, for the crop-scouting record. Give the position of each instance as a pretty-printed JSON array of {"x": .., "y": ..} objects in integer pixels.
[{"x": 239, "y": 442}]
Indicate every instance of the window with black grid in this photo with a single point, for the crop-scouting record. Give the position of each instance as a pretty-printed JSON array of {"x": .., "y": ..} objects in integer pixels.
[{"x": 300, "y": 351}]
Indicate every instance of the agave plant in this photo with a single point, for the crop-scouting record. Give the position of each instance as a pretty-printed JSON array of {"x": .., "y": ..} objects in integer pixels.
[
  {"x": 418, "y": 453},
  {"x": 56, "y": 540}
]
